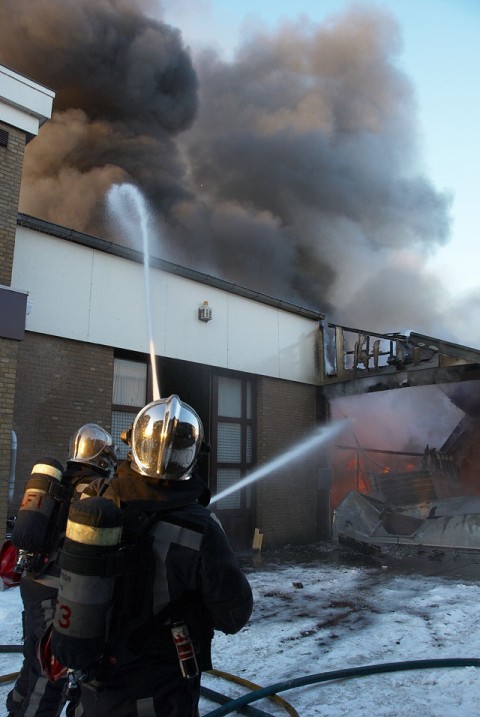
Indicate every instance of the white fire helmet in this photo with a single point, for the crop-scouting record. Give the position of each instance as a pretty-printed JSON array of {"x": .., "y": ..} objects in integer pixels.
[
  {"x": 93, "y": 445},
  {"x": 166, "y": 439}
]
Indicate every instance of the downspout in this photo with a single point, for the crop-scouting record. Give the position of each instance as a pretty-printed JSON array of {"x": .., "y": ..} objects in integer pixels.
[{"x": 11, "y": 474}]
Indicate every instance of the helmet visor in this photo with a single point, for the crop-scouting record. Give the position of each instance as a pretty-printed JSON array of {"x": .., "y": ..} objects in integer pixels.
[{"x": 88, "y": 443}]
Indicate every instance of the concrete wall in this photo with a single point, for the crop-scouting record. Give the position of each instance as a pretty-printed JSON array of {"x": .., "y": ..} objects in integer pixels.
[
  {"x": 287, "y": 499},
  {"x": 61, "y": 385}
]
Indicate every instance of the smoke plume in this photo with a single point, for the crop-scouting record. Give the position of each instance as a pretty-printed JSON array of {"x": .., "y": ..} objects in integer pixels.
[
  {"x": 125, "y": 86},
  {"x": 292, "y": 169}
]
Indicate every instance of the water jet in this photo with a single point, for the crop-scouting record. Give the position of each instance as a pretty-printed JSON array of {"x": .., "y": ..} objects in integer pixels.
[
  {"x": 123, "y": 200},
  {"x": 320, "y": 436}
]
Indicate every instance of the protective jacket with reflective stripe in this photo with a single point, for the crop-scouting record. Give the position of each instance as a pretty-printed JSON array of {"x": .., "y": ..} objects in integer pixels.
[{"x": 190, "y": 571}]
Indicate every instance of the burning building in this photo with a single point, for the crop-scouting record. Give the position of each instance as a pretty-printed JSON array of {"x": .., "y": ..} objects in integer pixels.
[
  {"x": 414, "y": 495},
  {"x": 267, "y": 190},
  {"x": 80, "y": 352}
]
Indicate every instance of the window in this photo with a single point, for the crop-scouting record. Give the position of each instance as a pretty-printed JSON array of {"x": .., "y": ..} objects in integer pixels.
[
  {"x": 234, "y": 444},
  {"x": 129, "y": 396}
]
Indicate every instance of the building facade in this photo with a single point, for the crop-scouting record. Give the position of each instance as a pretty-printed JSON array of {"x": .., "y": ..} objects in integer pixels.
[
  {"x": 85, "y": 338},
  {"x": 80, "y": 341},
  {"x": 24, "y": 105},
  {"x": 249, "y": 370}
]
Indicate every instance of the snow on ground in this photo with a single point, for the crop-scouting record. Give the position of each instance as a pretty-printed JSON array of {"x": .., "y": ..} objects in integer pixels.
[{"x": 327, "y": 612}]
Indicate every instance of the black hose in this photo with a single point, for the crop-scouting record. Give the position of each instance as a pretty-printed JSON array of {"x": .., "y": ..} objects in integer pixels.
[
  {"x": 251, "y": 686},
  {"x": 11, "y": 648},
  {"x": 223, "y": 700},
  {"x": 337, "y": 675}
]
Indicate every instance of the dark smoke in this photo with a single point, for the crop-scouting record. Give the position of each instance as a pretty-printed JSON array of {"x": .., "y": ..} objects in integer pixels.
[
  {"x": 291, "y": 169},
  {"x": 125, "y": 86},
  {"x": 466, "y": 397}
]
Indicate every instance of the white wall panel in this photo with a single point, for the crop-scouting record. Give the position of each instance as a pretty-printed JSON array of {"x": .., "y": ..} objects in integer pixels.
[
  {"x": 81, "y": 293},
  {"x": 118, "y": 315},
  {"x": 187, "y": 336},
  {"x": 296, "y": 347},
  {"x": 57, "y": 276},
  {"x": 252, "y": 336}
]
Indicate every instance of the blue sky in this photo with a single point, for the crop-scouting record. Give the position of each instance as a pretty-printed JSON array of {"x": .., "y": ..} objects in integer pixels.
[{"x": 441, "y": 56}]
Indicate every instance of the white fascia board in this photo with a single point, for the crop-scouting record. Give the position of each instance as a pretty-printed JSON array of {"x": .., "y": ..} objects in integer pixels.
[{"x": 23, "y": 103}]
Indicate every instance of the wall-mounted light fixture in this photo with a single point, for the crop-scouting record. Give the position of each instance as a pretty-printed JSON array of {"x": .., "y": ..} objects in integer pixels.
[{"x": 205, "y": 312}]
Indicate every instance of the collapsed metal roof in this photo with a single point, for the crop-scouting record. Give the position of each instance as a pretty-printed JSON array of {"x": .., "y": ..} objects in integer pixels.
[{"x": 356, "y": 361}]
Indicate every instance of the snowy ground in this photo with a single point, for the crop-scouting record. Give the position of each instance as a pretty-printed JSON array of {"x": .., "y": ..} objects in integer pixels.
[{"x": 322, "y": 610}]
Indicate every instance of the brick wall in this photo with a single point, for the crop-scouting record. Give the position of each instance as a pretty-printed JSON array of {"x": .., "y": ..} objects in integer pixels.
[
  {"x": 61, "y": 384},
  {"x": 286, "y": 500},
  {"x": 8, "y": 364},
  {"x": 11, "y": 165}
]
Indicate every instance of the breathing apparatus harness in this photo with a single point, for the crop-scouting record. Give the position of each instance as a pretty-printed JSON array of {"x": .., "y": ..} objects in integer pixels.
[
  {"x": 42, "y": 515},
  {"x": 105, "y": 591}
]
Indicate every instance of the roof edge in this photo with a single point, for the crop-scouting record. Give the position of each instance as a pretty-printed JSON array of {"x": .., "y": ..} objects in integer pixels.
[{"x": 103, "y": 245}]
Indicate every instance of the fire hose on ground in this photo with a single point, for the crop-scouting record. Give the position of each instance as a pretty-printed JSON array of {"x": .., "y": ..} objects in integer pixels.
[
  {"x": 252, "y": 687},
  {"x": 242, "y": 704}
]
